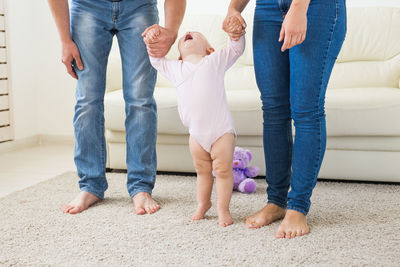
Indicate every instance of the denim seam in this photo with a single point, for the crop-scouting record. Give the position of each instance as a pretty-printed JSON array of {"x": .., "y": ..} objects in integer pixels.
[
  {"x": 321, "y": 84},
  {"x": 96, "y": 193},
  {"x": 277, "y": 203},
  {"x": 296, "y": 209},
  {"x": 317, "y": 159},
  {"x": 137, "y": 191},
  {"x": 103, "y": 148}
]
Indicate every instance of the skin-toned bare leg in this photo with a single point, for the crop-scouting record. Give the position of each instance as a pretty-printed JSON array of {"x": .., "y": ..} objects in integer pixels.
[
  {"x": 80, "y": 203},
  {"x": 222, "y": 156},
  {"x": 203, "y": 165},
  {"x": 144, "y": 203},
  {"x": 294, "y": 224},
  {"x": 267, "y": 215}
]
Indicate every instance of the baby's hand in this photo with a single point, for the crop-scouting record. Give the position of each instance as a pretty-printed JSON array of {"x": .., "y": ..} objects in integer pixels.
[
  {"x": 235, "y": 27},
  {"x": 152, "y": 35}
]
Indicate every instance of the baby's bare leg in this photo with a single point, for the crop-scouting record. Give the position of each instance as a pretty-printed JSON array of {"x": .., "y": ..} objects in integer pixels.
[
  {"x": 222, "y": 156},
  {"x": 203, "y": 165}
]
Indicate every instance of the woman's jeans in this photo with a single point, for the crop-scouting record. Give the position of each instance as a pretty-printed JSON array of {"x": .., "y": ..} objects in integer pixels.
[
  {"x": 293, "y": 85},
  {"x": 93, "y": 25}
]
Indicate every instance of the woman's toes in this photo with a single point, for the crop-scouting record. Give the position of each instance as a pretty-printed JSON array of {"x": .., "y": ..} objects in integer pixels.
[
  {"x": 280, "y": 234},
  {"x": 299, "y": 232},
  {"x": 293, "y": 234},
  {"x": 251, "y": 223},
  {"x": 288, "y": 234}
]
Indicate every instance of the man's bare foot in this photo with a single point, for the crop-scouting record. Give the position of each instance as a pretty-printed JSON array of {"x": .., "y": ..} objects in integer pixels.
[
  {"x": 265, "y": 216},
  {"x": 224, "y": 218},
  {"x": 80, "y": 203},
  {"x": 201, "y": 211},
  {"x": 294, "y": 224},
  {"x": 144, "y": 203}
]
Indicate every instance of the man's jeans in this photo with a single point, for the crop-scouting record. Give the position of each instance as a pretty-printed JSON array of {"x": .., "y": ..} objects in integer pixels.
[
  {"x": 293, "y": 85},
  {"x": 93, "y": 25}
]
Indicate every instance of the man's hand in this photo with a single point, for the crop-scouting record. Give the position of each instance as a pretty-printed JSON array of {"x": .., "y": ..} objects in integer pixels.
[
  {"x": 158, "y": 40},
  {"x": 234, "y": 25},
  {"x": 294, "y": 26},
  {"x": 70, "y": 52}
]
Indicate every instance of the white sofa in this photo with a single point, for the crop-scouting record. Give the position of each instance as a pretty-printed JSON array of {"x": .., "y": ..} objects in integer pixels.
[{"x": 362, "y": 102}]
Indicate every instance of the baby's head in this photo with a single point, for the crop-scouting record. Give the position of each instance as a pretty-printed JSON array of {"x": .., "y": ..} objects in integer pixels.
[{"x": 194, "y": 43}]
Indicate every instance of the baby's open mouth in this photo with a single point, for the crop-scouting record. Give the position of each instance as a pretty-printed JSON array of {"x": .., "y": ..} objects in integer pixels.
[{"x": 188, "y": 37}]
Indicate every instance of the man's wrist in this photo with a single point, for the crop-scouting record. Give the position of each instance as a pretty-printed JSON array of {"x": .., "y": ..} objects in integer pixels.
[
  {"x": 173, "y": 32},
  {"x": 65, "y": 38}
]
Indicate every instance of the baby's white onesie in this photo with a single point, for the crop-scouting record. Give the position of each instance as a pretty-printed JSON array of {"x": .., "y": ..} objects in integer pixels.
[{"x": 202, "y": 103}]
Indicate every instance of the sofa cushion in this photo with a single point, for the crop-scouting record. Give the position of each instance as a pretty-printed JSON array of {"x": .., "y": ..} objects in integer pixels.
[
  {"x": 350, "y": 111},
  {"x": 363, "y": 111},
  {"x": 244, "y": 104}
]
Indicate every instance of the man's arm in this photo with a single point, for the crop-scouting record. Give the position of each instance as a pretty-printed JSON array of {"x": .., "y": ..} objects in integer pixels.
[
  {"x": 174, "y": 11},
  {"x": 159, "y": 45},
  {"x": 70, "y": 52}
]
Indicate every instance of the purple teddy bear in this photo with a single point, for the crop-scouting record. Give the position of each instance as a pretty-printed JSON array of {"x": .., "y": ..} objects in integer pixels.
[{"x": 242, "y": 174}]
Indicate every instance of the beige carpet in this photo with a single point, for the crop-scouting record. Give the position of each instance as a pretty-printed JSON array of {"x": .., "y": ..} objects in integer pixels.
[{"x": 351, "y": 224}]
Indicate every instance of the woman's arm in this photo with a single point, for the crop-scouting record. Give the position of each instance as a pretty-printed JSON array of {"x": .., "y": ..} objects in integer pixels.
[
  {"x": 70, "y": 51},
  {"x": 294, "y": 26},
  {"x": 159, "y": 45},
  {"x": 235, "y": 8}
]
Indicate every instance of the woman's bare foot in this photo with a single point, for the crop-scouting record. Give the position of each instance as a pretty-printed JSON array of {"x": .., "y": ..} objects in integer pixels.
[
  {"x": 80, "y": 203},
  {"x": 144, "y": 203},
  {"x": 201, "y": 211},
  {"x": 224, "y": 218},
  {"x": 294, "y": 224},
  {"x": 265, "y": 216}
]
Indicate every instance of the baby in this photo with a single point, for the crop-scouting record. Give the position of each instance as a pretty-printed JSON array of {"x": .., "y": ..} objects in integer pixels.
[{"x": 198, "y": 76}]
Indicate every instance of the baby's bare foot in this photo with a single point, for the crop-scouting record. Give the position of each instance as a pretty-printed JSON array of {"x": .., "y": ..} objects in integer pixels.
[
  {"x": 294, "y": 224},
  {"x": 82, "y": 202},
  {"x": 265, "y": 216},
  {"x": 144, "y": 203},
  {"x": 201, "y": 211},
  {"x": 224, "y": 218}
]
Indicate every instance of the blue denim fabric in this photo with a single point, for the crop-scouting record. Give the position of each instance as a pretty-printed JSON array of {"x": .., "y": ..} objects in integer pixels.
[
  {"x": 293, "y": 85},
  {"x": 93, "y": 25}
]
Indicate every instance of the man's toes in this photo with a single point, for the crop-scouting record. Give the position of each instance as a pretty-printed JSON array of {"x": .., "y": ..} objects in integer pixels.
[
  {"x": 75, "y": 210},
  {"x": 148, "y": 210},
  {"x": 155, "y": 208},
  {"x": 140, "y": 211},
  {"x": 65, "y": 208}
]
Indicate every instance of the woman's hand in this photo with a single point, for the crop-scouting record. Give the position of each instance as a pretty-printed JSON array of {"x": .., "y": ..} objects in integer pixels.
[
  {"x": 158, "y": 40},
  {"x": 294, "y": 26},
  {"x": 234, "y": 25}
]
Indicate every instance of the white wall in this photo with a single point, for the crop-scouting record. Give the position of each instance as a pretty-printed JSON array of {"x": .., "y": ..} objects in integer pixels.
[
  {"x": 21, "y": 41},
  {"x": 43, "y": 93}
]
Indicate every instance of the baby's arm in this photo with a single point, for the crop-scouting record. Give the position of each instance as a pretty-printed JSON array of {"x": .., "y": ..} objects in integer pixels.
[
  {"x": 168, "y": 68},
  {"x": 228, "y": 56}
]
